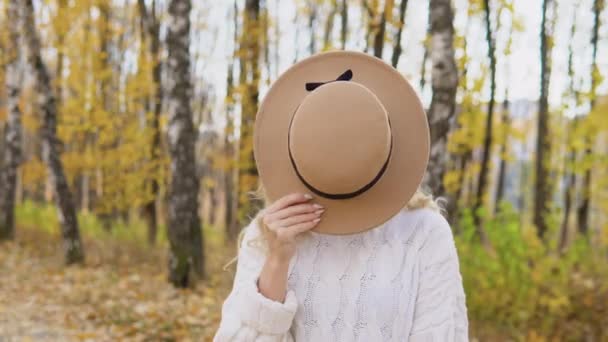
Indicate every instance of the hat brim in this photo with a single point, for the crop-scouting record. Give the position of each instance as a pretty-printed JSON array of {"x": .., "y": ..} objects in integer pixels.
[{"x": 409, "y": 126}]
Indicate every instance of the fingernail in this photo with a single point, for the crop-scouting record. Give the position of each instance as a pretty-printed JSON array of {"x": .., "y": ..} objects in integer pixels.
[
  {"x": 320, "y": 211},
  {"x": 318, "y": 206},
  {"x": 308, "y": 196},
  {"x": 316, "y": 220}
]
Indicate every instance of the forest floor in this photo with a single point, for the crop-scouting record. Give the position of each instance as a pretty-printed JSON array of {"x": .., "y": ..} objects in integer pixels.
[{"x": 121, "y": 293}]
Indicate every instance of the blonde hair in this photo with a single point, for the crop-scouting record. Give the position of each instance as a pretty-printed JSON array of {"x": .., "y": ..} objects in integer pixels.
[
  {"x": 421, "y": 199},
  {"x": 424, "y": 199}
]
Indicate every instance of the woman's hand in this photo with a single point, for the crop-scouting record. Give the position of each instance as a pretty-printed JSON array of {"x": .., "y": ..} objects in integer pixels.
[{"x": 285, "y": 219}]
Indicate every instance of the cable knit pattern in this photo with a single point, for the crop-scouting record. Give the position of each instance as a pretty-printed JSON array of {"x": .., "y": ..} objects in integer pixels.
[{"x": 397, "y": 282}]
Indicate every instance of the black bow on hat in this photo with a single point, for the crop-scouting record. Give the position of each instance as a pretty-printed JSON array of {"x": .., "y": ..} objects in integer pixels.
[{"x": 346, "y": 76}]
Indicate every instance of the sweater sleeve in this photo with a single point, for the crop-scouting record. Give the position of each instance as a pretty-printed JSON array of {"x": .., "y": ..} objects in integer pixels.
[
  {"x": 440, "y": 313},
  {"x": 247, "y": 315}
]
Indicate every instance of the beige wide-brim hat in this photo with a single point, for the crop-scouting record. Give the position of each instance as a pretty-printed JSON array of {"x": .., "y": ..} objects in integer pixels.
[{"x": 348, "y": 129}]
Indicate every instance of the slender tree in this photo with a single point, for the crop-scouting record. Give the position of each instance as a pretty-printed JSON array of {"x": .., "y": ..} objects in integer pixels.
[
  {"x": 542, "y": 187},
  {"x": 569, "y": 176},
  {"x": 329, "y": 24},
  {"x": 74, "y": 252},
  {"x": 502, "y": 163},
  {"x": 343, "y": 23},
  {"x": 12, "y": 134},
  {"x": 397, "y": 49},
  {"x": 186, "y": 261},
  {"x": 379, "y": 36},
  {"x": 277, "y": 40},
  {"x": 150, "y": 31},
  {"x": 444, "y": 84},
  {"x": 569, "y": 185},
  {"x": 460, "y": 160},
  {"x": 505, "y": 120},
  {"x": 425, "y": 56},
  {"x": 104, "y": 87},
  {"x": 265, "y": 39},
  {"x": 249, "y": 78},
  {"x": 312, "y": 18},
  {"x": 583, "y": 208},
  {"x": 296, "y": 34},
  {"x": 370, "y": 10},
  {"x": 230, "y": 221},
  {"x": 60, "y": 32},
  {"x": 487, "y": 141},
  {"x": 101, "y": 84}
]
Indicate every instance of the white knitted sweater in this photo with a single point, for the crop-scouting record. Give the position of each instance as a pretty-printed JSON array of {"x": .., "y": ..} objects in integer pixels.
[{"x": 397, "y": 282}]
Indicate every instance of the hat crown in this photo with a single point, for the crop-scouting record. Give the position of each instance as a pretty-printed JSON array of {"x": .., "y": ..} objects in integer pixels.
[
  {"x": 340, "y": 138},
  {"x": 348, "y": 129}
]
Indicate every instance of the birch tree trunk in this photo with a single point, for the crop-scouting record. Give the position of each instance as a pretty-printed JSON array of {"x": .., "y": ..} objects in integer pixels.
[
  {"x": 542, "y": 188},
  {"x": 45, "y": 93},
  {"x": 444, "y": 83},
  {"x": 186, "y": 263},
  {"x": 12, "y": 134}
]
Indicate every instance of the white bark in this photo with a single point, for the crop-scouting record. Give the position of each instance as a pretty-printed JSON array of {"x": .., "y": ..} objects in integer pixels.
[
  {"x": 184, "y": 230},
  {"x": 12, "y": 135},
  {"x": 50, "y": 143},
  {"x": 444, "y": 83}
]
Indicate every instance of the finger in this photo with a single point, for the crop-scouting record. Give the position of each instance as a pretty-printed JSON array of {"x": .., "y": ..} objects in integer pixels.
[
  {"x": 293, "y": 220},
  {"x": 287, "y": 201},
  {"x": 295, "y": 210},
  {"x": 302, "y": 227}
]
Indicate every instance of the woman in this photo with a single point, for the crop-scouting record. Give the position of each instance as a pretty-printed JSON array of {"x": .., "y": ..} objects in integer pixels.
[{"x": 349, "y": 249}]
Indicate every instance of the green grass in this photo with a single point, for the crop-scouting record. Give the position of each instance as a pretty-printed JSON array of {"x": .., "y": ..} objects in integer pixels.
[{"x": 43, "y": 216}]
